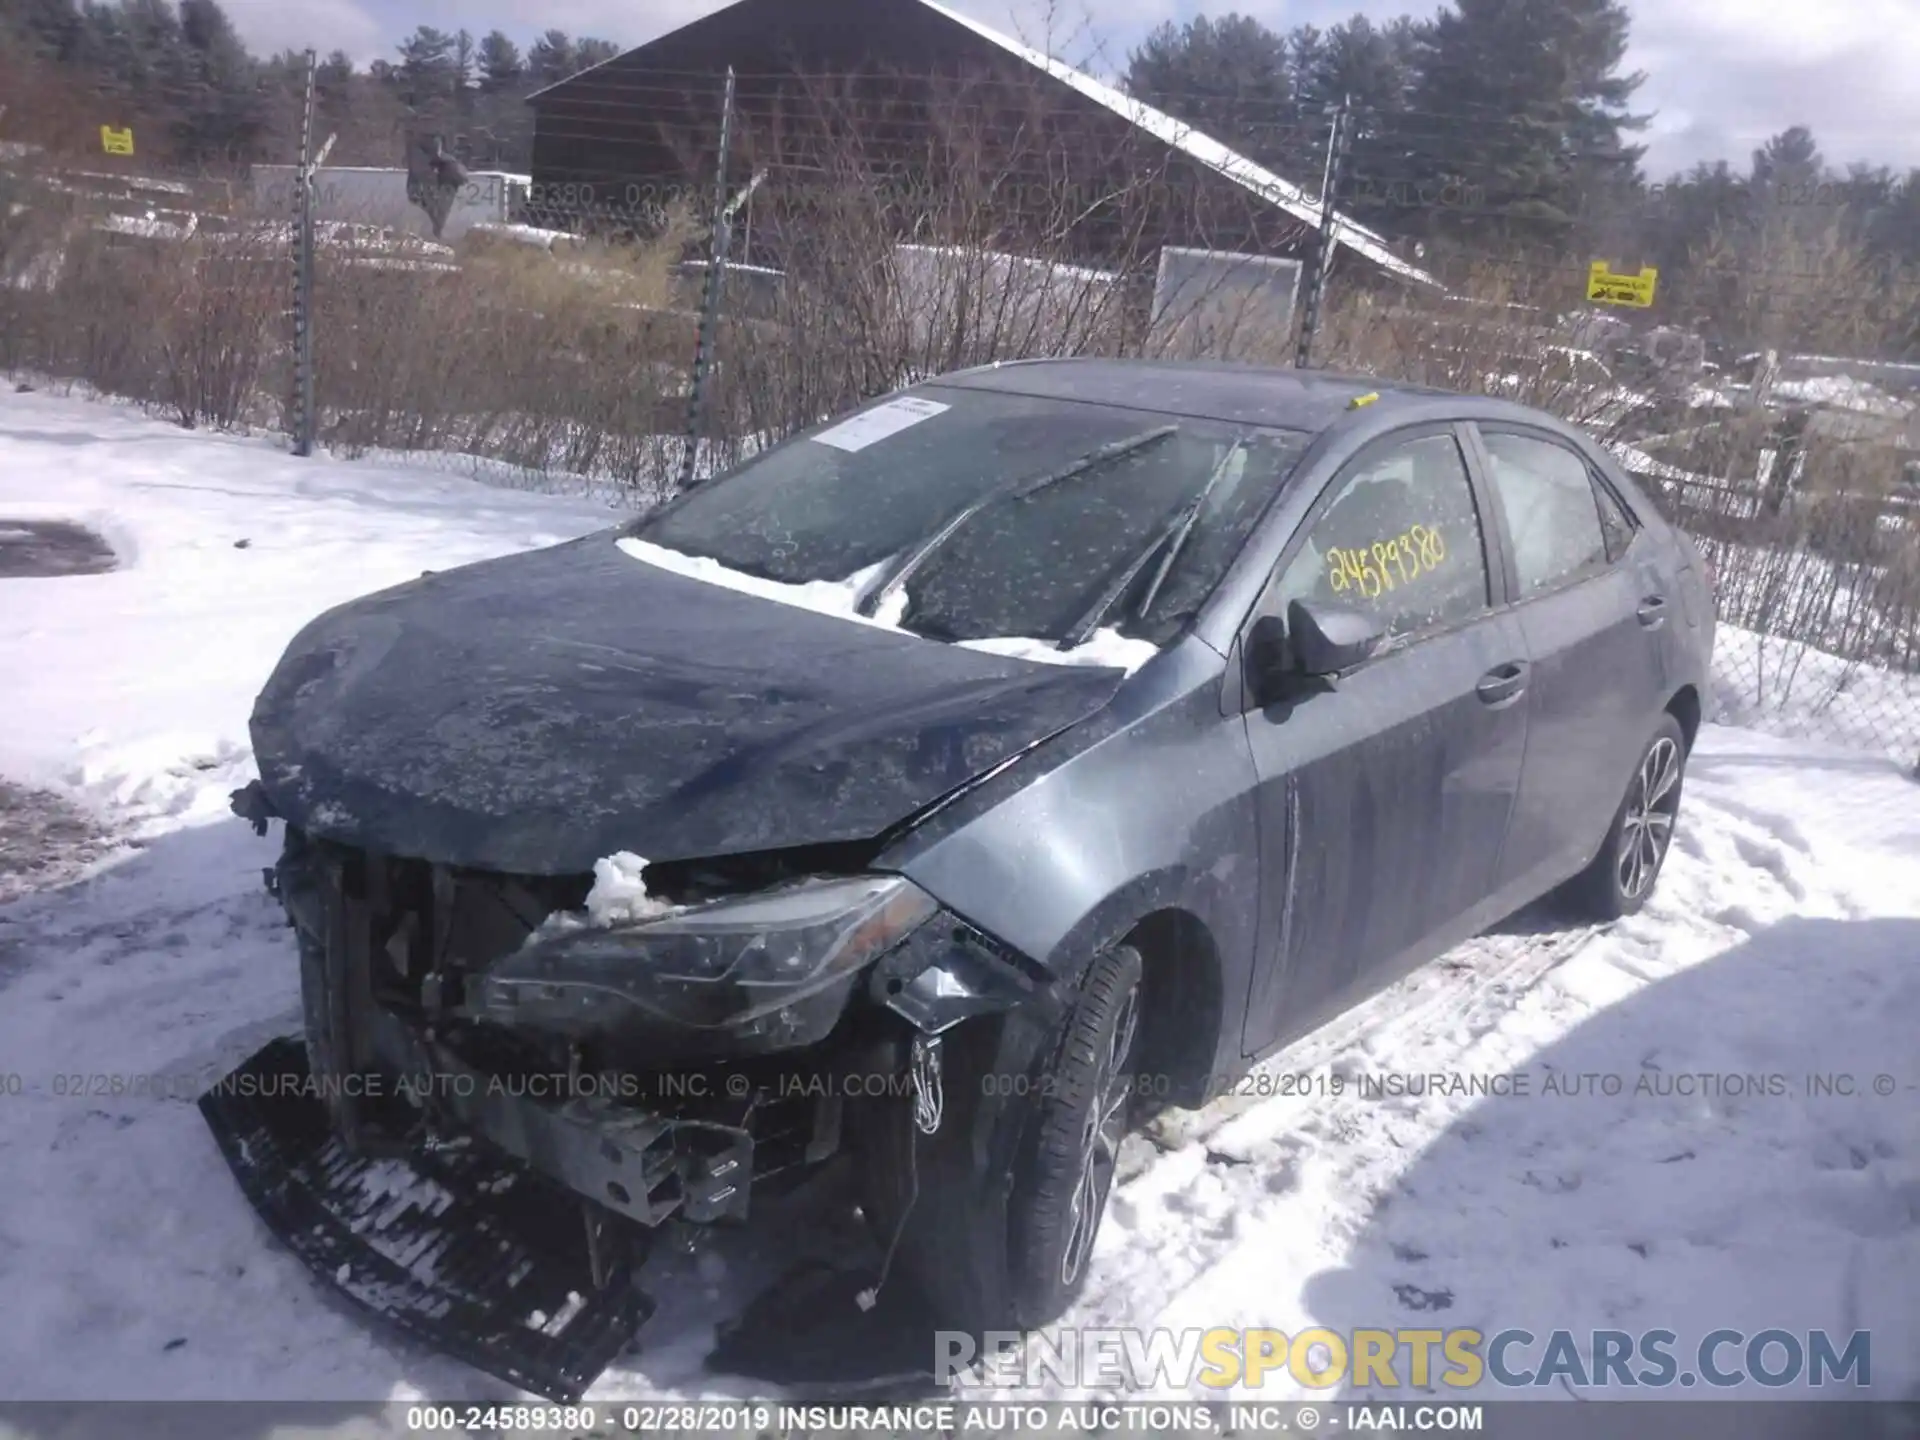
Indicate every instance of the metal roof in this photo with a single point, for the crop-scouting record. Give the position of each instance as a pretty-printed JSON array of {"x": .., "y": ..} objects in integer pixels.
[
  {"x": 1229, "y": 164},
  {"x": 1177, "y": 134}
]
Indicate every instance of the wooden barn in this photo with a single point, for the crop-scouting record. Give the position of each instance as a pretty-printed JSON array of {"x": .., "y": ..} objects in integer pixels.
[{"x": 913, "y": 95}]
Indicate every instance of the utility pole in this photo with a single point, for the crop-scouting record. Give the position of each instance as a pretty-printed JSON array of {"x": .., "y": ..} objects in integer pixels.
[
  {"x": 710, "y": 298},
  {"x": 303, "y": 418},
  {"x": 1313, "y": 293}
]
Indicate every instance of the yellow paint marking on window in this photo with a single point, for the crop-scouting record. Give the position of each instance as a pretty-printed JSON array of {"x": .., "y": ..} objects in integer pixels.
[{"x": 1385, "y": 565}]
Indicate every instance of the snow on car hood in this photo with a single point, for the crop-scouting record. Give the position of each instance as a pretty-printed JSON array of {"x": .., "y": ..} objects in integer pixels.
[{"x": 537, "y": 713}]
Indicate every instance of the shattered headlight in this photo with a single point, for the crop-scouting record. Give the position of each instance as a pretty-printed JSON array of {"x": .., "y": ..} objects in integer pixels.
[{"x": 722, "y": 965}]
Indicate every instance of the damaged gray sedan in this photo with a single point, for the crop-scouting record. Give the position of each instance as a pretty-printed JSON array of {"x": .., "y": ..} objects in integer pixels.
[{"x": 943, "y": 787}]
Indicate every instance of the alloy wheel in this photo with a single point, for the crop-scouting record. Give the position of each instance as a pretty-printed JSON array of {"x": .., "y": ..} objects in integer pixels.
[
  {"x": 1106, "y": 1127},
  {"x": 1647, "y": 828}
]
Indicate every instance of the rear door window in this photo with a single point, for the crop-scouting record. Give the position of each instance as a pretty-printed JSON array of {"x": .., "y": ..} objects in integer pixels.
[
  {"x": 1615, "y": 523},
  {"x": 1552, "y": 509}
]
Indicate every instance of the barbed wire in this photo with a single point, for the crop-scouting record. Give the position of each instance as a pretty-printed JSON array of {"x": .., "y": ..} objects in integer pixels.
[{"x": 615, "y": 89}]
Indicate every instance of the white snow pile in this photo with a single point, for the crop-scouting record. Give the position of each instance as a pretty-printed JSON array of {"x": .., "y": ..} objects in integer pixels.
[
  {"x": 132, "y": 689},
  {"x": 1106, "y": 647},
  {"x": 618, "y": 897},
  {"x": 1843, "y": 392},
  {"x": 1790, "y": 688},
  {"x": 825, "y": 597}
]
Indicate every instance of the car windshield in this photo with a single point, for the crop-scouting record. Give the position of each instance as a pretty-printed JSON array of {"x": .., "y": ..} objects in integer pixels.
[{"x": 1025, "y": 516}]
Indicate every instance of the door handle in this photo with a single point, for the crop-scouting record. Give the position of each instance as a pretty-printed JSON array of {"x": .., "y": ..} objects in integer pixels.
[
  {"x": 1502, "y": 683},
  {"x": 1652, "y": 612}
]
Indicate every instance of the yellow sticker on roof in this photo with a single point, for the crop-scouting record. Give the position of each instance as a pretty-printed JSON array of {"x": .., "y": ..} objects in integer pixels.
[{"x": 1360, "y": 401}]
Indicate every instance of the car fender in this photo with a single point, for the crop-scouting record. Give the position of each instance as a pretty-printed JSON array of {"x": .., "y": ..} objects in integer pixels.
[{"x": 1156, "y": 815}]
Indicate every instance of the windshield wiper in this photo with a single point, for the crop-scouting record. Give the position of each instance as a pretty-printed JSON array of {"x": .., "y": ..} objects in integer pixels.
[
  {"x": 870, "y": 603},
  {"x": 1170, "y": 538}
]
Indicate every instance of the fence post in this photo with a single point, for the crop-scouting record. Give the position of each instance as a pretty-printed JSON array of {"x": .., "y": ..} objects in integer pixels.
[
  {"x": 710, "y": 296},
  {"x": 1316, "y": 277},
  {"x": 303, "y": 417}
]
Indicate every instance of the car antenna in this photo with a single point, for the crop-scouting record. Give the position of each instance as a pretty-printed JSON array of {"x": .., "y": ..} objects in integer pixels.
[{"x": 869, "y": 604}]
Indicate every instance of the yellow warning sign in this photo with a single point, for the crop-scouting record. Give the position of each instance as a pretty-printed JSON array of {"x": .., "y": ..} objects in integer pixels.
[
  {"x": 116, "y": 142},
  {"x": 1607, "y": 288}
]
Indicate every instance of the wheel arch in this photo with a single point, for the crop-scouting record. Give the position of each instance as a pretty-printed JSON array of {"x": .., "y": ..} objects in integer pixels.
[
  {"x": 1184, "y": 1004},
  {"x": 1685, "y": 707}
]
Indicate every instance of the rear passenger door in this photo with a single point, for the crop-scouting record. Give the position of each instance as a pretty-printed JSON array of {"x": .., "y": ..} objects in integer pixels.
[{"x": 1591, "y": 604}]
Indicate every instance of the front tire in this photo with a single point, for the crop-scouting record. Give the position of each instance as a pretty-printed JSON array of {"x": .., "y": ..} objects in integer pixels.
[
  {"x": 1081, "y": 1120},
  {"x": 1005, "y": 1246},
  {"x": 1624, "y": 873}
]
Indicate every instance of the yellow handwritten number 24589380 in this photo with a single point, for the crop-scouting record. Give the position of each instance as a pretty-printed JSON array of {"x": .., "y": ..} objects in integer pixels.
[{"x": 1387, "y": 564}]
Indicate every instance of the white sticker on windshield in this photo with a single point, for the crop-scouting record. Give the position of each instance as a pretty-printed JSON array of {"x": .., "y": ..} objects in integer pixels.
[{"x": 880, "y": 422}]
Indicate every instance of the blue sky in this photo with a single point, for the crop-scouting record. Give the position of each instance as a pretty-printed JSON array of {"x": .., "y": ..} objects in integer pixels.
[{"x": 1721, "y": 74}]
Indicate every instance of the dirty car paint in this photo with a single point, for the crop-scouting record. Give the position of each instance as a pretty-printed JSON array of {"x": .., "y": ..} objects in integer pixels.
[{"x": 534, "y": 713}]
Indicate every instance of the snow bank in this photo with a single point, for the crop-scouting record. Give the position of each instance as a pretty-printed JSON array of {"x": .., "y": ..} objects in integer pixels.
[
  {"x": 1790, "y": 689},
  {"x": 131, "y": 690}
]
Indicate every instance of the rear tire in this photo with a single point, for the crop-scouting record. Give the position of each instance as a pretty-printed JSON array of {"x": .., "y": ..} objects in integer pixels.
[
  {"x": 1006, "y": 1247},
  {"x": 1624, "y": 873}
]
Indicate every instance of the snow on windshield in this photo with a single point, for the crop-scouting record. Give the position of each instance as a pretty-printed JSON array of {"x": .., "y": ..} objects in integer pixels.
[
  {"x": 1017, "y": 523},
  {"x": 828, "y": 597},
  {"x": 1105, "y": 647}
]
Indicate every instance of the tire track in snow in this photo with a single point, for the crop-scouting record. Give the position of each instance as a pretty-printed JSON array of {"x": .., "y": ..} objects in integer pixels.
[
  {"x": 1196, "y": 1187},
  {"x": 1173, "y": 1237}
]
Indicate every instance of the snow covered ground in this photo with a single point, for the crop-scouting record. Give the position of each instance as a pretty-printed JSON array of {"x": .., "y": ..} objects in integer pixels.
[{"x": 1783, "y": 943}]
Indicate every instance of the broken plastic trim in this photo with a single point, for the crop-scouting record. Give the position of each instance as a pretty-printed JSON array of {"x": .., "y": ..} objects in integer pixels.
[
  {"x": 483, "y": 1264},
  {"x": 252, "y": 805},
  {"x": 945, "y": 976}
]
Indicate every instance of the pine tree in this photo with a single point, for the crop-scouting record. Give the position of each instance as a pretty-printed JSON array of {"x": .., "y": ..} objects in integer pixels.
[
  {"x": 223, "y": 114},
  {"x": 1522, "y": 105},
  {"x": 1371, "y": 71},
  {"x": 550, "y": 58},
  {"x": 426, "y": 70},
  {"x": 334, "y": 74},
  {"x": 1226, "y": 77},
  {"x": 592, "y": 52},
  {"x": 1788, "y": 159},
  {"x": 463, "y": 61},
  {"x": 501, "y": 67}
]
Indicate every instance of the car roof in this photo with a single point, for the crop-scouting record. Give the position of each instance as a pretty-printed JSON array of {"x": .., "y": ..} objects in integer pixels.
[{"x": 1305, "y": 400}]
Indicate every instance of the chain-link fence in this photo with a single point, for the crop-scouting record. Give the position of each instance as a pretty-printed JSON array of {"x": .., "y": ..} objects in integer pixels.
[{"x": 696, "y": 269}]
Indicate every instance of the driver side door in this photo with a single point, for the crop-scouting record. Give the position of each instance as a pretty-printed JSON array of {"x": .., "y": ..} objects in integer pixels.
[{"x": 1383, "y": 801}]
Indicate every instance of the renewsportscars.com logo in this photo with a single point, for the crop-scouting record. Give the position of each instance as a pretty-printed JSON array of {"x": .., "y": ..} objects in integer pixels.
[{"x": 1369, "y": 1360}]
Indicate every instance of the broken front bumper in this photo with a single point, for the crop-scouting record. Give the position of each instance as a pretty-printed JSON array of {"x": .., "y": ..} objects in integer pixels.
[
  {"x": 435, "y": 1001},
  {"x": 427, "y": 1150},
  {"x": 448, "y": 1246}
]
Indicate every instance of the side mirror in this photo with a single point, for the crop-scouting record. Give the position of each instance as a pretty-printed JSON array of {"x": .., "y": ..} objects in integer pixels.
[
  {"x": 1269, "y": 662},
  {"x": 1327, "y": 641},
  {"x": 1312, "y": 643}
]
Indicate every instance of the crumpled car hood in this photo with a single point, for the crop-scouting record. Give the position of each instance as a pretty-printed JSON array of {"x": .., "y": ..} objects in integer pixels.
[{"x": 535, "y": 713}]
